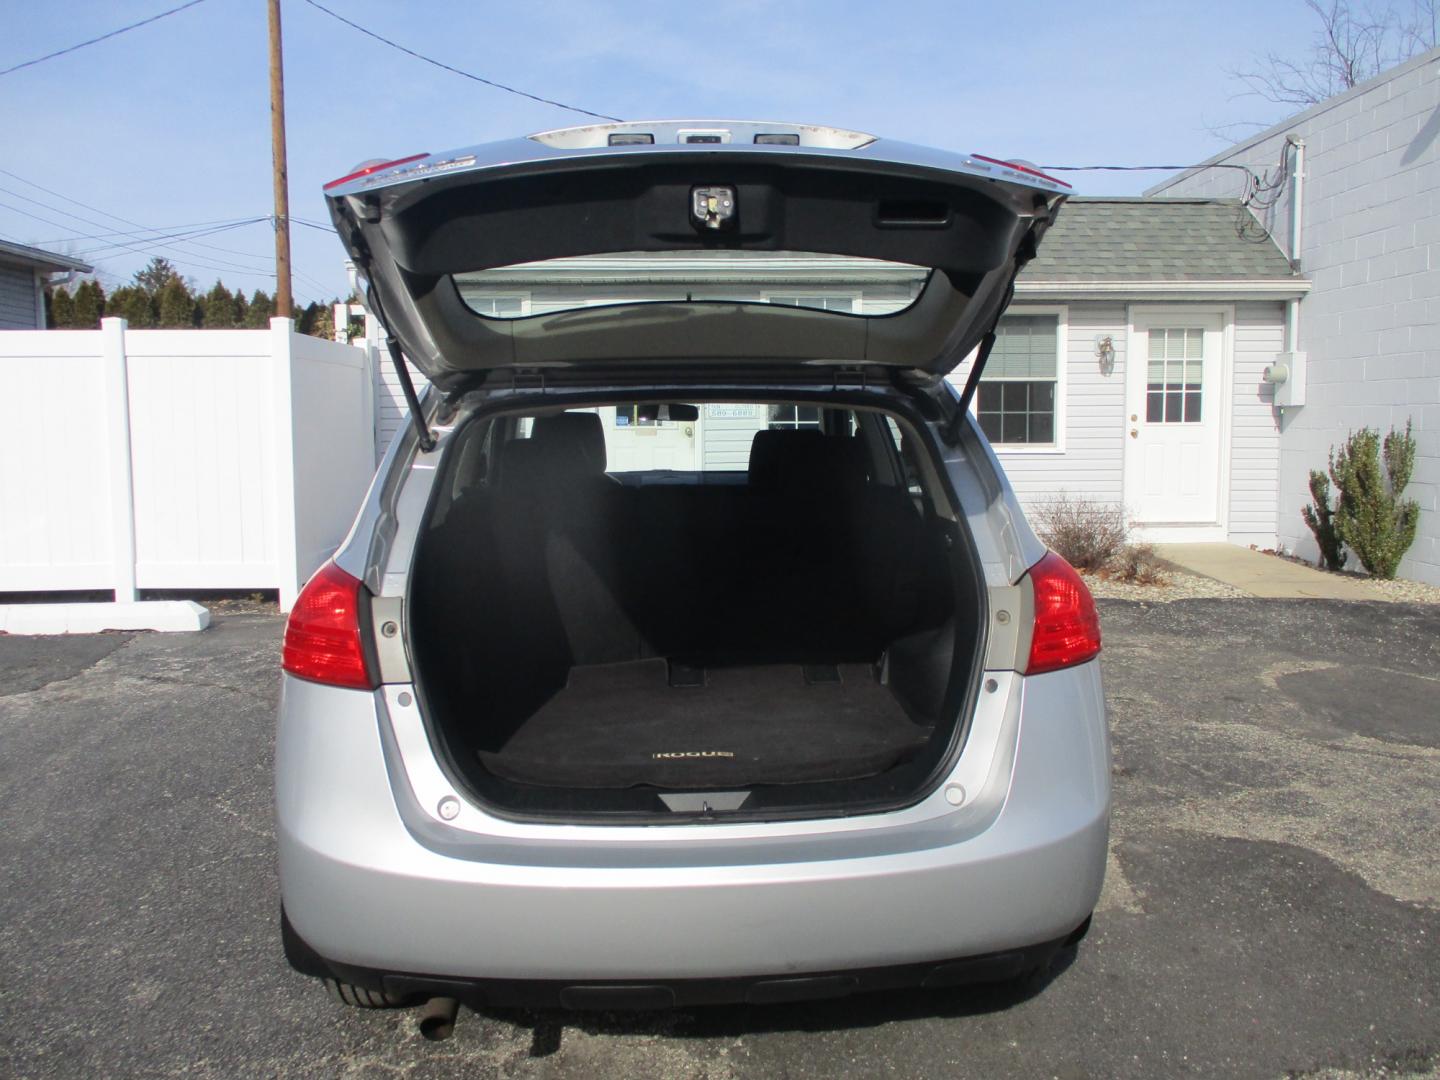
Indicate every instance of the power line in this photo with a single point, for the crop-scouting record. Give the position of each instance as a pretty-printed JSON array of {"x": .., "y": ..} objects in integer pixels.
[
  {"x": 455, "y": 70},
  {"x": 163, "y": 239},
  {"x": 125, "y": 220},
  {"x": 176, "y": 230},
  {"x": 1261, "y": 192},
  {"x": 155, "y": 241},
  {"x": 188, "y": 241},
  {"x": 102, "y": 37},
  {"x": 133, "y": 249},
  {"x": 1139, "y": 168},
  {"x": 185, "y": 261}
]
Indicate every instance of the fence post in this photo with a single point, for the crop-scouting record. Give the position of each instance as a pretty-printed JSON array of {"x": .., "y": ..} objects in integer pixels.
[
  {"x": 117, "y": 451},
  {"x": 287, "y": 557}
]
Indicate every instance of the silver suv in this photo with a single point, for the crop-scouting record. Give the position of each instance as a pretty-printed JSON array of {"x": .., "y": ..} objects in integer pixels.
[{"x": 690, "y": 645}]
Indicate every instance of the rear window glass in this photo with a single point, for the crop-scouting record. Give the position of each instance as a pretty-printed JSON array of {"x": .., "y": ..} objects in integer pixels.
[{"x": 844, "y": 284}]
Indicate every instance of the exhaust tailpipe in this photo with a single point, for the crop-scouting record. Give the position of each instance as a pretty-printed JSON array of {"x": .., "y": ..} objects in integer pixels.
[{"x": 437, "y": 1018}]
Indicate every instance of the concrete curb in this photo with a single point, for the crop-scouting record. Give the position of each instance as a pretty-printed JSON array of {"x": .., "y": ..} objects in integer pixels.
[{"x": 164, "y": 615}]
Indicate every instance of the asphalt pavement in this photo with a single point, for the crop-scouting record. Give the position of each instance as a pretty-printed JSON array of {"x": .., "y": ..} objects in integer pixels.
[{"x": 1272, "y": 906}]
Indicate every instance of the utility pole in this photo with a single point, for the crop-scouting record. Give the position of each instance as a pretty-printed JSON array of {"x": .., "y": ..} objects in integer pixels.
[{"x": 284, "y": 307}]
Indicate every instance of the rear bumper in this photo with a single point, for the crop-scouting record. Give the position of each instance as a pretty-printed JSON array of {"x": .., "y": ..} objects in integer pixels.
[
  {"x": 650, "y": 994},
  {"x": 703, "y": 912}
]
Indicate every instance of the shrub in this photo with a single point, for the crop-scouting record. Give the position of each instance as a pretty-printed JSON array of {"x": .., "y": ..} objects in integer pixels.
[
  {"x": 1139, "y": 565},
  {"x": 1086, "y": 534},
  {"x": 1321, "y": 519},
  {"x": 1370, "y": 516}
]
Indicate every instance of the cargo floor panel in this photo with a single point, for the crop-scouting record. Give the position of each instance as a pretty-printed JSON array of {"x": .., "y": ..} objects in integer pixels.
[{"x": 623, "y": 725}]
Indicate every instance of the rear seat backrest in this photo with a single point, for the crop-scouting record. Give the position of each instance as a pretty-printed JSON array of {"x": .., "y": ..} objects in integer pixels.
[{"x": 563, "y": 475}]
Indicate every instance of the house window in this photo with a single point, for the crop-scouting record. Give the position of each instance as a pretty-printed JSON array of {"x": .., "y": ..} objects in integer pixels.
[
  {"x": 1174, "y": 381},
  {"x": 792, "y": 417},
  {"x": 819, "y": 302},
  {"x": 1015, "y": 403},
  {"x": 498, "y": 307}
]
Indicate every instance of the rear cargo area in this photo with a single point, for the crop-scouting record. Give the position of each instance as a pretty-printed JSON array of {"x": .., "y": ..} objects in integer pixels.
[
  {"x": 584, "y": 641},
  {"x": 618, "y": 725}
]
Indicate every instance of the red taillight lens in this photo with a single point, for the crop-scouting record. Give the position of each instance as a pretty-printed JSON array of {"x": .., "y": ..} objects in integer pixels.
[
  {"x": 366, "y": 170},
  {"x": 322, "y": 637},
  {"x": 1067, "y": 626}
]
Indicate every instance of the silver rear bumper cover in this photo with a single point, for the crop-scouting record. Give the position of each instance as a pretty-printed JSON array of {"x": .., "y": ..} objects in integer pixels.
[{"x": 363, "y": 887}]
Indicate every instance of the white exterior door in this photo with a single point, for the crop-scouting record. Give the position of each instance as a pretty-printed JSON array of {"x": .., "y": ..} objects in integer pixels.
[
  {"x": 1174, "y": 418},
  {"x": 635, "y": 441}
]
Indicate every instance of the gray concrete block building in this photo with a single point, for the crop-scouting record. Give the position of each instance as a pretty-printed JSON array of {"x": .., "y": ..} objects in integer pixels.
[{"x": 1365, "y": 231}]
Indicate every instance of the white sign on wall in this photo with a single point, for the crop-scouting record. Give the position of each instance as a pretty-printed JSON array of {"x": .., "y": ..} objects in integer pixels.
[{"x": 735, "y": 412}]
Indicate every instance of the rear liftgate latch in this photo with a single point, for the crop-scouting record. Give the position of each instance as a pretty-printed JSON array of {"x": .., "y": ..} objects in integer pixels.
[{"x": 713, "y": 207}]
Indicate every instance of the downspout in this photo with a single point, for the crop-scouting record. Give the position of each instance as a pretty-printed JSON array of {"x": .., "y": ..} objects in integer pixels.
[
  {"x": 1297, "y": 223},
  {"x": 1292, "y": 306}
]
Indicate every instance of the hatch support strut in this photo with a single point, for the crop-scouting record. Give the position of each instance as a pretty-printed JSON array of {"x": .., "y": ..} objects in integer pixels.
[
  {"x": 972, "y": 384},
  {"x": 982, "y": 354},
  {"x": 412, "y": 402}
]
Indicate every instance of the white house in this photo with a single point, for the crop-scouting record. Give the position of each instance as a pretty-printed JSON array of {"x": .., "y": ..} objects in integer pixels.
[
  {"x": 24, "y": 273},
  {"x": 1366, "y": 231},
  {"x": 1129, "y": 370}
]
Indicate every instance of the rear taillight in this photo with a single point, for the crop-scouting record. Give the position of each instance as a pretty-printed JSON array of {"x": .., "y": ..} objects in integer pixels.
[
  {"x": 323, "y": 640},
  {"x": 1067, "y": 626}
]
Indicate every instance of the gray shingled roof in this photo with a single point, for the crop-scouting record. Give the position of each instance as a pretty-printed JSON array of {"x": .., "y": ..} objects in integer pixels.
[{"x": 1135, "y": 239}]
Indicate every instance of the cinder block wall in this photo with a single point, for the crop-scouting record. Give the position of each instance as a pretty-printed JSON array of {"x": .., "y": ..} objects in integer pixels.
[{"x": 1371, "y": 246}]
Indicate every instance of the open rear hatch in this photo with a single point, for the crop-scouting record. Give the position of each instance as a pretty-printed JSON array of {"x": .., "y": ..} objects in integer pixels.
[
  {"x": 967, "y": 222},
  {"x": 803, "y": 641}
]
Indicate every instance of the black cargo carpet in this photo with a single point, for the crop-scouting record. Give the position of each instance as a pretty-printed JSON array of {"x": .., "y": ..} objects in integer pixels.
[{"x": 622, "y": 725}]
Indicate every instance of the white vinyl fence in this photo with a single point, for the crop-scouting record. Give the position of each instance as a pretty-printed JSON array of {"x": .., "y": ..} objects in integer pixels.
[{"x": 178, "y": 459}]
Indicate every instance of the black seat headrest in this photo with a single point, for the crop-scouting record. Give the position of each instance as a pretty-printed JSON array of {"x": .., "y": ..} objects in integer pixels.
[
  {"x": 805, "y": 459},
  {"x": 522, "y": 464},
  {"x": 574, "y": 441}
]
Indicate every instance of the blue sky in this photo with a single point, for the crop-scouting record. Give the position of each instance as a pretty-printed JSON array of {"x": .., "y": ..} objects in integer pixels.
[{"x": 169, "y": 124}]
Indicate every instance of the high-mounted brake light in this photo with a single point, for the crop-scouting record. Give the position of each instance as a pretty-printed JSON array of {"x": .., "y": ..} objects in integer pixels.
[
  {"x": 375, "y": 167},
  {"x": 323, "y": 637},
  {"x": 1020, "y": 168},
  {"x": 1067, "y": 626}
]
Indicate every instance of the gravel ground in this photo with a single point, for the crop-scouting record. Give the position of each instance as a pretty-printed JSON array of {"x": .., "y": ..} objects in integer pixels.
[
  {"x": 1176, "y": 586},
  {"x": 1405, "y": 592},
  {"x": 1179, "y": 585}
]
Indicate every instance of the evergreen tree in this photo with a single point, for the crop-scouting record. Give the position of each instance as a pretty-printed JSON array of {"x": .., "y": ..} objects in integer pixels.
[
  {"x": 59, "y": 309},
  {"x": 132, "y": 303},
  {"x": 88, "y": 307},
  {"x": 158, "y": 273},
  {"x": 261, "y": 307},
  {"x": 175, "y": 306},
  {"x": 242, "y": 310},
  {"x": 218, "y": 308}
]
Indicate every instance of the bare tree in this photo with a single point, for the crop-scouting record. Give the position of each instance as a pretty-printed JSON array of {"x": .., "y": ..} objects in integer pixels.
[{"x": 1352, "y": 44}]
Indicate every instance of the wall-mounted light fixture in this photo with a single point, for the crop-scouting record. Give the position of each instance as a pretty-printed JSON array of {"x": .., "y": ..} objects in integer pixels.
[{"x": 1105, "y": 353}]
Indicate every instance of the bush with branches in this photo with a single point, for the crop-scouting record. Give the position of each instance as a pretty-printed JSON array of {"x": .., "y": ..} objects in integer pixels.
[
  {"x": 1137, "y": 564},
  {"x": 1088, "y": 535},
  {"x": 1370, "y": 516},
  {"x": 1320, "y": 517}
]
